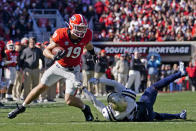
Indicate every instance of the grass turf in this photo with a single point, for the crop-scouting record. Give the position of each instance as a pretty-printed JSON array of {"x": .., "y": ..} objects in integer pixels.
[{"x": 60, "y": 117}]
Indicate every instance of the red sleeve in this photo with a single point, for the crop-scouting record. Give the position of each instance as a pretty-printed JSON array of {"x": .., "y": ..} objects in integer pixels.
[{"x": 58, "y": 35}]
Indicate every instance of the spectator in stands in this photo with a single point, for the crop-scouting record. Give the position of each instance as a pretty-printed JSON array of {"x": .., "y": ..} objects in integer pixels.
[
  {"x": 162, "y": 72},
  {"x": 122, "y": 69},
  {"x": 100, "y": 68},
  {"x": 19, "y": 75},
  {"x": 30, "y": 57},
  {"x": 191, "y": 70},
  {"x": 136, "y": 67},
  {"x": 99, "y": 8},
  {"x": 168, "y": 72},
  {"x": 87, "y": 70},
  {"x": 153, "y": 64},
  {"x": 167, "y": 20},
  {"x": 114, "y": 69},
  {"x": 175, "y": 85}
]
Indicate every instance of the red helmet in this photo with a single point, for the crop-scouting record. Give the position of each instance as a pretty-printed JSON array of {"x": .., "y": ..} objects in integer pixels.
[
  {"x": 78, "y": 25},
  {"x": 10, "y": 45}
]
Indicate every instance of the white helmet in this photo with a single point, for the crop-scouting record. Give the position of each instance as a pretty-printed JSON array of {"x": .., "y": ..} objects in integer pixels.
[{"x": 117, "y": 101}]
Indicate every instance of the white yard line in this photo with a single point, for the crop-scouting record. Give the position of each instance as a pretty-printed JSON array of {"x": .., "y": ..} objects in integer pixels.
[{"x": 100, "y": 123}]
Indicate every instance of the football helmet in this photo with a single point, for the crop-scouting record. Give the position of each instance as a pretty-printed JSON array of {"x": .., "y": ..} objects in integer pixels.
[
  {"x": 78, "y": 25},
  {"x": 10, "y": 45},
  {"x": 117, "y": 101}
]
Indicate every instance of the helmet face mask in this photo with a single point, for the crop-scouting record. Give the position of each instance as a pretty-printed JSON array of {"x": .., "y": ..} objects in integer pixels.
[
  {"x": 117, "y": 102},
  {"x": 10, "y": 45},
  {"x": 78, "y": 25}
]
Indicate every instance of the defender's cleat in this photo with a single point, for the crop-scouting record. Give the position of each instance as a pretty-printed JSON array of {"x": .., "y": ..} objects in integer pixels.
[
  {"x": 87, "y": 113},
  {"x": 183, "y": 114},
  {"x": 182, "y": 69},
  {"x": 18, "y": 110}
]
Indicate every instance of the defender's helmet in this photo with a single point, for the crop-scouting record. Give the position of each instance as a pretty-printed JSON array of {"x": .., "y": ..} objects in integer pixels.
[
  {"x": 10, "y": 45},
  {"x": 117, "y": 101},
  {"x": 78, "y": 25}
]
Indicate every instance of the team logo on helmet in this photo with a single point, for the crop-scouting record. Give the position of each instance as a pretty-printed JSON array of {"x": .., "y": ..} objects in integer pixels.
[{"x": 73, "y": 18}]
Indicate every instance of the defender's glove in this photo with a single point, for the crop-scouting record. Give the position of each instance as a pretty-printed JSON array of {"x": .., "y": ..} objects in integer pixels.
[
  {"x": 94, "y": 80},
  {"x": 59, "y": 55}
]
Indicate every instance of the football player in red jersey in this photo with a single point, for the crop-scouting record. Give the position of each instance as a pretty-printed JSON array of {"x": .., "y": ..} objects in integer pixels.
[
  {"x": 67, "y": 65},
  {"x": 10, "y": 71}
]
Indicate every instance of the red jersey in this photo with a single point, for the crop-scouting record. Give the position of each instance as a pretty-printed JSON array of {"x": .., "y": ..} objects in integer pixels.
[
  {"x": 12, "y": 56},
  {"x": 73, "y": 50},
  {"x": 2, "y": 47},
  {"x": 191, "y": 71}
]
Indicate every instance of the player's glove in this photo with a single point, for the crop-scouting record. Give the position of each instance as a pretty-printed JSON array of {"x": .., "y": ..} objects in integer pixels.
[
  {"x": 95, "y": 58},
  {"x": 94, "y": 80},
  {"x": 59, "y": 55}
]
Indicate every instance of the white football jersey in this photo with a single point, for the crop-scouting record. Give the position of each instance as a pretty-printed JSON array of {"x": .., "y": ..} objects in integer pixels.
[
  {"x": 113, "y": 115},
  {"x": 130, "y": 97}
]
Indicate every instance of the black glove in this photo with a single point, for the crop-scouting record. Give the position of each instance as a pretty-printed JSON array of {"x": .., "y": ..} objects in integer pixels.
[
  {"x": 59, "y": 55},
  {"x": 95, "y": 59}
]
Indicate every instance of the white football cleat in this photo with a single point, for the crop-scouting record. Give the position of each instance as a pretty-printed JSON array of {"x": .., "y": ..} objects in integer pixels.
[{"x": 181, "y": 68}]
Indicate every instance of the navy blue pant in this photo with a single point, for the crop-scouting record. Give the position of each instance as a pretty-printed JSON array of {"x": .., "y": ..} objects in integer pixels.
[{"x": 150, "y": 94}]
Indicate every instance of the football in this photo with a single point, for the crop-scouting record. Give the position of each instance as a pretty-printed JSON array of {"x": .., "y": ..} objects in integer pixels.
[{"x": 56, "y": 49}]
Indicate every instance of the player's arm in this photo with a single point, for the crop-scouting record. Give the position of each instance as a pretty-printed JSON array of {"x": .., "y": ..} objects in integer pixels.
[
  {"x": 97, "y": 104},
  {"x": 117, "y": 86},
  {"x": 48, "y": 50}
]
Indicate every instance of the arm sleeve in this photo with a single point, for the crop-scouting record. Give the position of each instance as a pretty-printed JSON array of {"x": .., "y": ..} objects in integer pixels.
[
  {"x": 117, "y": 86},
  {"x": 58, "y": 35}
]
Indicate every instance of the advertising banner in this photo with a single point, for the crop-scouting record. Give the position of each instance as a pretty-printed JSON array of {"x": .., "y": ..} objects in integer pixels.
[{"x": 169, "y": 49}]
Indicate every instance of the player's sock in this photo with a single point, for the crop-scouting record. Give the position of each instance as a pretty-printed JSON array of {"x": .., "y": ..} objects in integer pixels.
[
  {"x": 166, "y": 81},
  {"x": 84, "y": 106},
  {"x": 87, "y": 113},
  {"x": 24, "y": 104}
]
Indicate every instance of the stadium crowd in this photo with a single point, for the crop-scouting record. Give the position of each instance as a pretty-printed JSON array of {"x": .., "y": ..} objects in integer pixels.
[
  {"x": 111, "y": 20},
  {"x": 119, "y": 20}
]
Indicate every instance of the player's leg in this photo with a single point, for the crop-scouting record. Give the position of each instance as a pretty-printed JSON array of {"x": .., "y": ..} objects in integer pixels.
[
  {"x": 71, "y": 100},
  {"x": 166, "y": 116},
  {"x": 150, "y": 94},
  {"x": 166, "y": 81},
  {"x": 49, "y": 78}
]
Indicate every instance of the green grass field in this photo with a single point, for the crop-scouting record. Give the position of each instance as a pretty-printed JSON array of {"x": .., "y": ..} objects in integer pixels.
[{"x": 59, "y": 117}]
